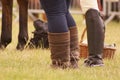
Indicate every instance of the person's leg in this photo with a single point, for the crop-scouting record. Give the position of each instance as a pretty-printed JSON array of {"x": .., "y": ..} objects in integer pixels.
[
  {"x": 95, "y": 32},
  {"x": 74, "y": 48},
  {"x": 95, "y": 35},
  {"x": 58, "y": 36},
  {"x": 70, "y": 20},
  {"x": 55, "y": 11}
]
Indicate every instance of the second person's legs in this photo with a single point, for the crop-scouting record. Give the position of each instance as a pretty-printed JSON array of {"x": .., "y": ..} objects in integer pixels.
[
  {"x": 95, "y": 35},
  {"x": 95, "y": 32}
]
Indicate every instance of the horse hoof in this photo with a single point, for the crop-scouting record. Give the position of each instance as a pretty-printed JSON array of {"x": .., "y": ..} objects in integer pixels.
[
  {"x": 20, "y": 47},
  {"x": 2, "y": 46}
]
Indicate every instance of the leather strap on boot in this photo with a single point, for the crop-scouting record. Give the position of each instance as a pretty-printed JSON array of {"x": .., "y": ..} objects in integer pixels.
[{"x": 60, "y": 49}]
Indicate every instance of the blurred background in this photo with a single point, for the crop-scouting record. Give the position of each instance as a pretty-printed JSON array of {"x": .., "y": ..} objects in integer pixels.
[{"x": 110, "y": 9}]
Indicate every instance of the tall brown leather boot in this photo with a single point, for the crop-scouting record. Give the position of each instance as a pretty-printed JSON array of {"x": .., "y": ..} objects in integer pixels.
[
  {"x": 60, "y": 49},
  {"x": 74, "y": 47}
]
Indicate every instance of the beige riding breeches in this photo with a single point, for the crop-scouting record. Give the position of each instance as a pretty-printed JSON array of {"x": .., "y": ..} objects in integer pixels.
[{"x": 88, "y": 4}]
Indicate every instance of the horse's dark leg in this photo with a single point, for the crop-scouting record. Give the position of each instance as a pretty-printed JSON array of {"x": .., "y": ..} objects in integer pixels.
[
  {"x": 23, "y": 26},
  {"x": 6, "y": 33}
]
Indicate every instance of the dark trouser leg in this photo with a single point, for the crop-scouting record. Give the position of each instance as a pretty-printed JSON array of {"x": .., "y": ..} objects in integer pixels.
[
  {"x": 56, "y": 15},
  {"x": 95, "y": 35}
]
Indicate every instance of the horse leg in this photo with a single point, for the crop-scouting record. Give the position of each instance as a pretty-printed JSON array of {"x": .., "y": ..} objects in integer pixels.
[
  {"x": 6, "y": 33},
  {"x": 23, "y": 26}
]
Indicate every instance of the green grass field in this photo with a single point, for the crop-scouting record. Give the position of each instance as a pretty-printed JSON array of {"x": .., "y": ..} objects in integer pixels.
[{"x": 35, "y": 64}]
